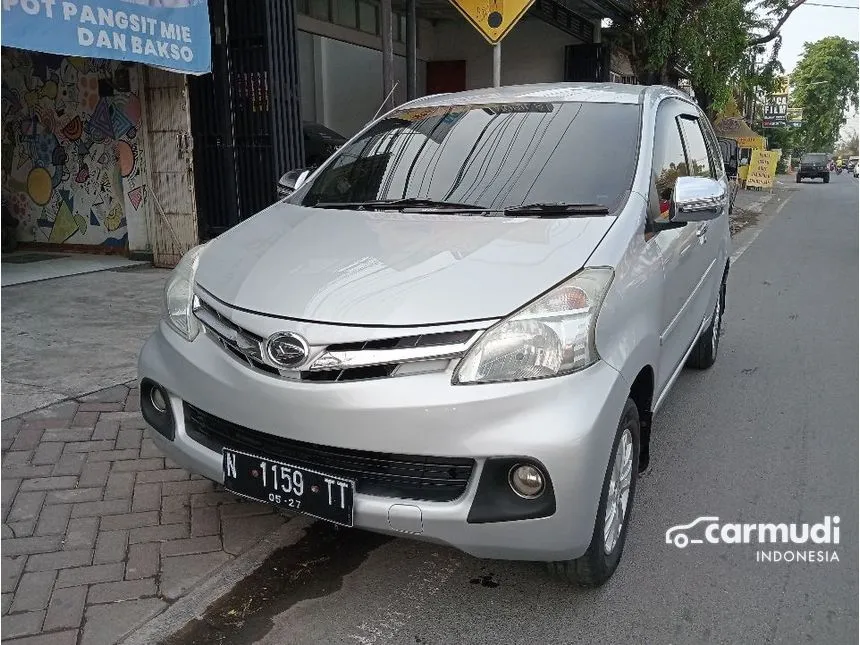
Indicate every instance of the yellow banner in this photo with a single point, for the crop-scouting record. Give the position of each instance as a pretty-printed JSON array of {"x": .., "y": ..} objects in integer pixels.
[
  {"x": 777, "y": 155},
  {"x": 751, "y": 142},
  {"x": 762, "y": 168}
]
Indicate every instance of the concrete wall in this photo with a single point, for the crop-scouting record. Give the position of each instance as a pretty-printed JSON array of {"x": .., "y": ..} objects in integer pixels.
[
  {"x": 348, "y": 84},
  {"x": 533, "y": 52},
  {"x": 341, "y": 73},
  {"x": 73, "y": 163},
  {"x": 341, "y": 68}
]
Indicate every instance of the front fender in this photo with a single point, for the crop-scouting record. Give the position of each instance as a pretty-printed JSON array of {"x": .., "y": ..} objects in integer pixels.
[{"x": 627, "y": 330}]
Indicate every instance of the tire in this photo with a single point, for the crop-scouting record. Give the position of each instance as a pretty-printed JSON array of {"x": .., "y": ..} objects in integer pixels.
[
  {"x": 596, "y": 566},
  {"x": 797, "y": 179},
  {"x": 705, "y": 352},
  {"x": 826, "y": 179}
]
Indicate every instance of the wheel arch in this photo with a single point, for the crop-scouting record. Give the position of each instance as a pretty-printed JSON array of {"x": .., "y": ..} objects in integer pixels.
[{"x": 642, "y": 393}]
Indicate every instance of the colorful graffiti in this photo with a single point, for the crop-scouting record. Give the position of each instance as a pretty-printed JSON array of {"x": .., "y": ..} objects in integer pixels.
[{"x": 72, "y": 161}]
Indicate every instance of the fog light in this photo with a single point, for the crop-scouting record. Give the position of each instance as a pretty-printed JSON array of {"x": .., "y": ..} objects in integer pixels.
[
  {"x": 159, "y": 400},
  {"x": 526, "y": 481},
  {"x": 155, "y": 407}
]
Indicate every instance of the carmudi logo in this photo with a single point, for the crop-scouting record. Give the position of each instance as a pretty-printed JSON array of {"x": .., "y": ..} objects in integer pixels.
[{"x": 709, "y": 530}]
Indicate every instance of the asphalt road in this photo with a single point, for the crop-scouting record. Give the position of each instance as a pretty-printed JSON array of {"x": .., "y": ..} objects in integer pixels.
[{"x": 768, "y": 435}]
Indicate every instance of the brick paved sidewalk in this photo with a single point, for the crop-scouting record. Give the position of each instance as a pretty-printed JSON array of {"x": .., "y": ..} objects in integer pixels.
[{"x": 101, "y": 532}]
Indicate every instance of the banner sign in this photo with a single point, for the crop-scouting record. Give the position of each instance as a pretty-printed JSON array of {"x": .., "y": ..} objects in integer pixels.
[
  {"x": 762, "y": 168},
  {"x": 794, "y": 117},
  {"x": 775, "y": 111},
  {"x": 170, "y": 34},
  {"x": 751, "y": 142}
]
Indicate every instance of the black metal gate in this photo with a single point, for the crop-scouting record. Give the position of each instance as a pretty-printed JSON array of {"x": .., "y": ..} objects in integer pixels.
[
  {"x": 245, "y": 115},
  {"x": 588, "y": 63}
]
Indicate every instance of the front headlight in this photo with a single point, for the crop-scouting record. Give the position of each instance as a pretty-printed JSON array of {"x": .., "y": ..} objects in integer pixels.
[
  {"x": 552, "y": 336},
  {"x": 179, "y": 295}
]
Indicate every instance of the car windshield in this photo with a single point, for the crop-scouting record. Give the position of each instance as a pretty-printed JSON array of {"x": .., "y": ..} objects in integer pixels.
[
  {"x": 814, "y": 158},
  {"x": 493, "y": 156}
]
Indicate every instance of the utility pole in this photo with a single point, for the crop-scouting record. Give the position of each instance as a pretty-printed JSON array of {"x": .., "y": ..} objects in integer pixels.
[
  {"x": 411, "y": 50},
  {"x": 387, "y": 53}
]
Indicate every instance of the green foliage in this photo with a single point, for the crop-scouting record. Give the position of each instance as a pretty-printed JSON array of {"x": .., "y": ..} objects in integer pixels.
[
  {"x": 718, "y": 42},
  {"x": 848, "y": 146},
  {"x": 825, "y": 85},
  {"x": 713, "y": 43},
  {"x": 782, "y": 138}
]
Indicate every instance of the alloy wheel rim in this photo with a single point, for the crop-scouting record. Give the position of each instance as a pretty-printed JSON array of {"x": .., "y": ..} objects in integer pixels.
[{"x": 618, "y": 494}]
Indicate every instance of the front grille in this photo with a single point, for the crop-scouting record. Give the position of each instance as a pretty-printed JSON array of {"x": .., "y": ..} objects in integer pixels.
[
  {"x": 382, "y": 371},
  {"x": 242, "y": 344},
  {"x": 436, "y": 479},
  {"x": 353, "y": 361},
  {"x": 422, "y": 340}
]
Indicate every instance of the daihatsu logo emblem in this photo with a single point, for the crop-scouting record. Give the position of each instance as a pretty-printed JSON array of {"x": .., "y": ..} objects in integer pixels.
[{"x": 287, "y": 349}]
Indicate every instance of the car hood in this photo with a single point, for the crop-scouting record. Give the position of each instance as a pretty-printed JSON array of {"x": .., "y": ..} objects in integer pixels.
[{"x": 392, "y": 268}]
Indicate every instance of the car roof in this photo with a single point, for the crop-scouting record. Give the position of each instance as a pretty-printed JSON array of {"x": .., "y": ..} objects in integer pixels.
[{"x": 550, "y": 92}]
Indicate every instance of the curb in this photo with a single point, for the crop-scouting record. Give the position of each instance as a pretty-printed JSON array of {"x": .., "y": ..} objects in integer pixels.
[{"x": 195, "y": 603}]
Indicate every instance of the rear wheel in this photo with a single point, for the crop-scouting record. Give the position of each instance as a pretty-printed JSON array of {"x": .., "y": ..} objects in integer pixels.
[
  {"x": 705, "y": 352},
  {"x": 601, "y": 559},
  {"x": 826, "y": 179},
  {"x": 797, "y": 179}
]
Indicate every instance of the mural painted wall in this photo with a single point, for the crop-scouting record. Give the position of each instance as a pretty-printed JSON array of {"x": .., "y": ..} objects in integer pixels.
[{"x": 73, "y": 158}]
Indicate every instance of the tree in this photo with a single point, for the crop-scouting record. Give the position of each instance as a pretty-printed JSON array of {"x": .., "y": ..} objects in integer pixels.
[
  {"x": 848, "y": 146},
  {"x": 824, "y": 84},
  {"x": 716, "y": 41}
]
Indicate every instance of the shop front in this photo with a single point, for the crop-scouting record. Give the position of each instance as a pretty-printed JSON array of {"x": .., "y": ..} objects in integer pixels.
[{"x": 76, "y": 150}]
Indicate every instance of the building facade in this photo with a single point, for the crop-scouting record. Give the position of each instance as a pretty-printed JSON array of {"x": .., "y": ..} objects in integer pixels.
[{"x": 125, "y": 157}]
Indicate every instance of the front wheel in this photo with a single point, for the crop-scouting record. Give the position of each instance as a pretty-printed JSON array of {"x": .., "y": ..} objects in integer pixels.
[
  {"x": 827, "y": 178},
  {"x": 797, "y": 179},
  {"x": 601, "y": 559}
]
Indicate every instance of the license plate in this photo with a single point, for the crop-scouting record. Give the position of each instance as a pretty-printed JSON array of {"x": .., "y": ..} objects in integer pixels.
[{"x": 326, "y": 497}]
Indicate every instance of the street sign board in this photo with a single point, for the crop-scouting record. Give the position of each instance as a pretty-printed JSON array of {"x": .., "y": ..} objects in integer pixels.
[
  {"x": 776, "y": 108},
  {"x": 493, "y": 18},
  {"x": 794, "y": 117}
]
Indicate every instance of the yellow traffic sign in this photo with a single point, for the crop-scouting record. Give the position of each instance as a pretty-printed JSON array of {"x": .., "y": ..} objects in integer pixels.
[{"x": 493, "y": 18}]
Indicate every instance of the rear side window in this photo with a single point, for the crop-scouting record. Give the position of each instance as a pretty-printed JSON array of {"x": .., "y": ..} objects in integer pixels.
[{"x": 697, "y": 150}]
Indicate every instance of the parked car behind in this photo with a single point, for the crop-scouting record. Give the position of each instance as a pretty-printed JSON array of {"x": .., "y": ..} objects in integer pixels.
[
  {"x": 454, "y": 329},
  {"x": 813, "y": 165}
]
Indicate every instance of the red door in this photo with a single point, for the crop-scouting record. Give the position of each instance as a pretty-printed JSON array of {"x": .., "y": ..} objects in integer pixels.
[{"x": 446, "y": 76}]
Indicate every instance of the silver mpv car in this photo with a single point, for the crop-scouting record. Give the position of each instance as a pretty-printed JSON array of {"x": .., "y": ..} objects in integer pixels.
[{"x": 459, "y": 326}]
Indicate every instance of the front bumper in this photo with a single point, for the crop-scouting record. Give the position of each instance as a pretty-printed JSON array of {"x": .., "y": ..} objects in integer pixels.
[{"x": 566, "y": 424}]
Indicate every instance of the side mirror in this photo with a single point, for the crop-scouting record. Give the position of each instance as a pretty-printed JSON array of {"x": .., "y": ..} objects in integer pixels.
[
  {"x": 291, "y": 181},
  {"x": 697, "y": 199}
]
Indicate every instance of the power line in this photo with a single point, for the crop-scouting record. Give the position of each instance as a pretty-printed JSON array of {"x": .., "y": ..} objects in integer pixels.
[{"x": 833, "y": 6}]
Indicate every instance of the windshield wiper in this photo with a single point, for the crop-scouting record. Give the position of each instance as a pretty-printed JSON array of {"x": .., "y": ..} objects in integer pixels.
[
  {"x": 405, "y": 202},
  {"x": 556, "y": 209}
]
